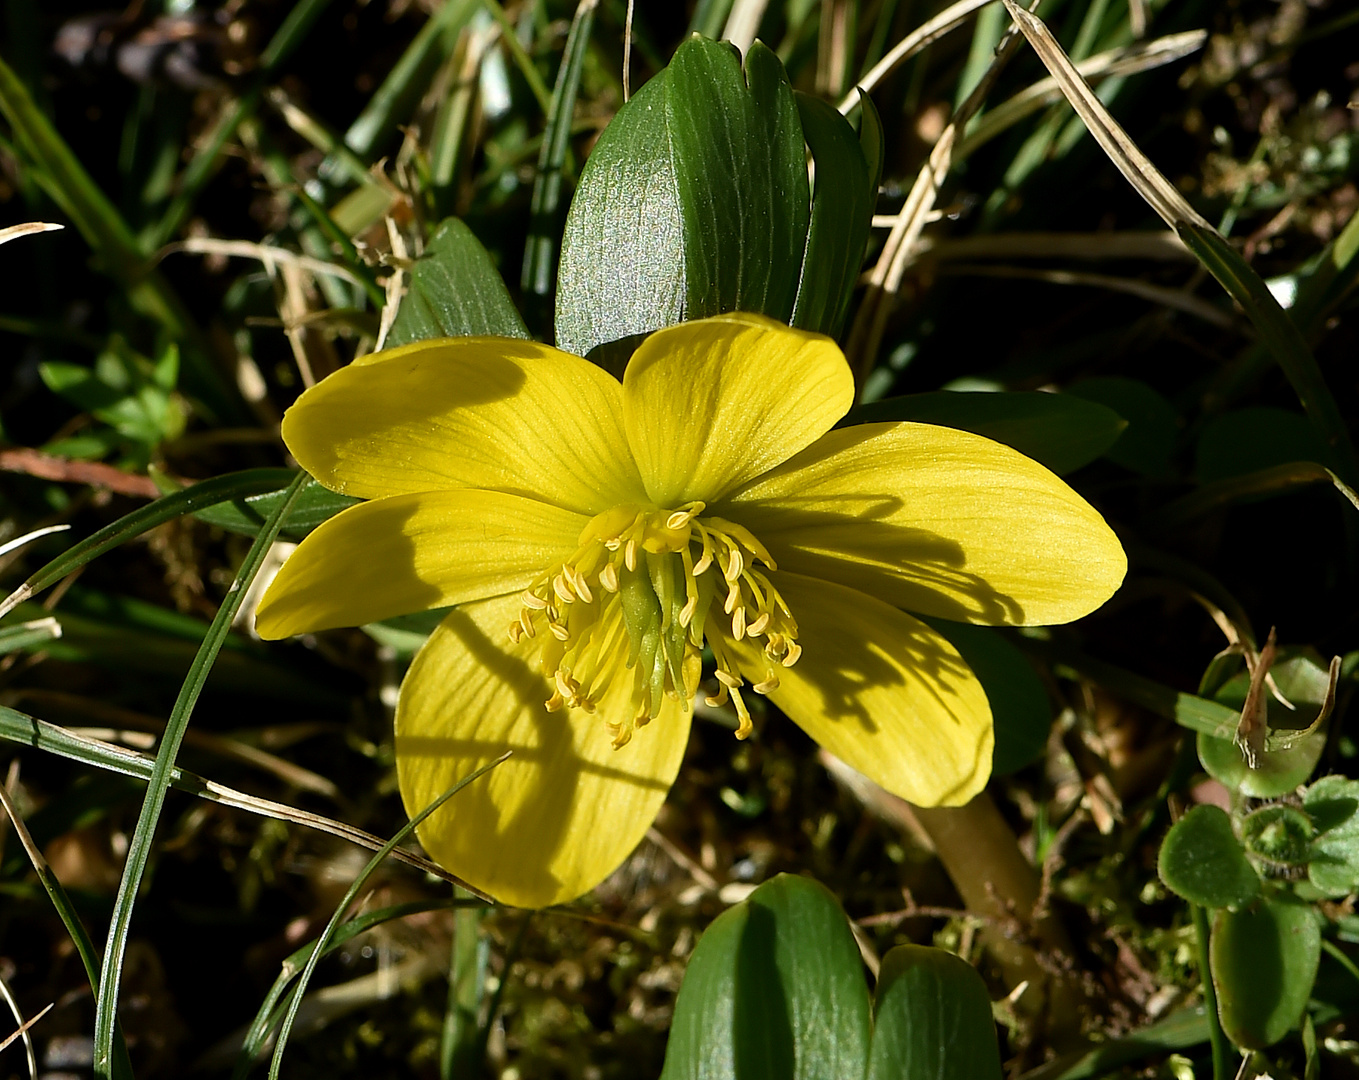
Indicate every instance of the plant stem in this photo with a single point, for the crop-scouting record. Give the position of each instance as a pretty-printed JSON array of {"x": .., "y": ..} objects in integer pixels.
[{"x": 1216, "y": 1037}]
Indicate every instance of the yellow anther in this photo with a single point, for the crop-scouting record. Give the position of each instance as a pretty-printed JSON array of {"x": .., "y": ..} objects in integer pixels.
[
  {"x": 726, "y": 678},
  {"x": 757, "y": 627},
  {"x": 579, "y": 583},
  {"x": 526, "y": 623},
  {"x": 516, "y": 632},
  {"x": 794, "y": 651},
  {"x": 738, "y": 623},
  {"x": 735, "y": 564},
  {"x": 630, "y": 555},
  {"x": 533, "y": 600},
  {"x": 768, "y": 685},
  {"x": 559, "y": 632},
  {"x": 608, "y": 577},
  {"x": 686, "y": 615}
]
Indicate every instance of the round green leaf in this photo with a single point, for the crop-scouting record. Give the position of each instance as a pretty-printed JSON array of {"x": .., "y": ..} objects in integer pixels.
[
  {"x": 1304, "y": 681},
  {"x": 1202, "y": 861},
  {"x": 1333, "y": 805},
  {"x": 1264, "y": 962},
  {"x": 932, "y": 1019},
  {"x": 775, "y": 990}
]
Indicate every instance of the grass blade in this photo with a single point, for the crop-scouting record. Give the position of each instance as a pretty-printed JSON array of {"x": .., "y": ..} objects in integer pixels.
[
  {"x": 204, "y": 164},
  {"x": 219, "y": 489},
  {"x": 399, "y": 92},
  {"x": 53, "y": 739},
  {"x": 139, "y": 850},
  {"x": 1277, "y": 331},
  {"x": 60, "y": 173},
  {"x": 1280, "y": 335},
  {"x": 266, "y": 1019},
  {"x": 545, "y": 222},
  {"x": 323, "y": 941},
  {"x": 67, "y": 913}
]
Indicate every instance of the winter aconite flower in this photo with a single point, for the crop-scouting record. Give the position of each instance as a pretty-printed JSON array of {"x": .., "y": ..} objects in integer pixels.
[{"x": 594, "y": 536}]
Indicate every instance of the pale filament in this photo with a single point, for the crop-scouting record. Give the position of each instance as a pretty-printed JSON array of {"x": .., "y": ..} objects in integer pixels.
[{"x": 590, "y": 644}]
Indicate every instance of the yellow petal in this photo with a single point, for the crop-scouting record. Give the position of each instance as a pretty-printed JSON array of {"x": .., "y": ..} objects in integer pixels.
[
  {"x": 938, "y": 521},
  {"x": 883, "y": 692},
  {"x": 412, "y": 553},
  {"x": 493, "y": 413},
  {"x": 709, "y": 405},
  {"x": 561, "y": 814}
]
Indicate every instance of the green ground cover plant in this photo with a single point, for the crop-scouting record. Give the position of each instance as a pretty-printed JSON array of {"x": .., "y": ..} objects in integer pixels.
[{"x": 1116, "y": 236}]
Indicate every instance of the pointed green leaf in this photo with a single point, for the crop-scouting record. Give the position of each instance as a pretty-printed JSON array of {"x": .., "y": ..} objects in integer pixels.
[
  {"x": 695, "y": 201},
  {"x": 775, "y": 991},
  {"x": 455, "y": 291},
  {"x": 1148, "y": 441},
  {"x": 741, "y": 170},
  {"x": 622, "y": 264},
  {"x": 1264, "y": 962},
  {"x": 1202, "y": 861},
  {"x": 1061, "y": 431},
  {"x": 842, "y": 211},
  {"x": 312, "y": 506},
  {"x": 932, "y": 1019}
]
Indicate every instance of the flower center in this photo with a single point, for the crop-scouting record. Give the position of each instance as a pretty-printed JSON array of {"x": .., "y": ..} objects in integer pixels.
[{"x": 637, "y": 596}]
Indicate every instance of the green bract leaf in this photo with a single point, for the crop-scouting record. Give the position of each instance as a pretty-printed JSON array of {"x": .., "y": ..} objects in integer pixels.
[
  {"x": 932, "y": 1019},
  {"x": 775, "y": 990},
  {"x": 1060, "y": 431},
  {"x": 842, "y": 209},
  {"x": 1264, "y": 961},
  {"x": 455, "y": 291},
  {"x": 1019, "y": 702},
  {"x": 1202, "y": 861},
  {"x": 1333, "y": 805},
  {"x": 695, "y": 201},
  {"x": 312, "y": 506},
  {"x": 1153, "y": 425},
  {"x": 1248, "y": 440}
]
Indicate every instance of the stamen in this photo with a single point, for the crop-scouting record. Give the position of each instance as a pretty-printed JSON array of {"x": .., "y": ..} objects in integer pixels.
[
  {"x": 562, "y": 589},
  {"x": 738, "y": 623},
  {"x": 768, "y": 685},
  {"x": 726, "y": 678},
  {"x": 608, "y": 577},
  {"x": 533, "y": 600},
  {"x": 756, "y": 628},
  {"x": 794, "y": 651}
]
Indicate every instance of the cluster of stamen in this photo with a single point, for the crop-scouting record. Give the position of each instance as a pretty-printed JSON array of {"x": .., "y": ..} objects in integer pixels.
[{"x": 637, "y": 597}]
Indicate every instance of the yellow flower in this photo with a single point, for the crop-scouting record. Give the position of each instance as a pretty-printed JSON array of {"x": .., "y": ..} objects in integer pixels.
[{"x": 594, "y": 535}]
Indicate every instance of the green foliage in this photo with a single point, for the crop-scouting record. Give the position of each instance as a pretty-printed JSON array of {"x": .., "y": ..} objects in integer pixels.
[
  {"x": 1202, "y": 860},
  {"x": 776, "y": 989},
  {"x": 132, "y": 395},
  {"x": 696, "y": 201},
  {"x": 1063, "y": 431},
  {"x": 1293, "y": 749},
  {"x": 1264, "y": 962},
  {"x": 455, "y": 290}
]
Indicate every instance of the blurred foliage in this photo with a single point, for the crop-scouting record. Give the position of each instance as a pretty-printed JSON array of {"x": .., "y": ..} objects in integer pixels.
[{"x": 242, "y": 181}]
